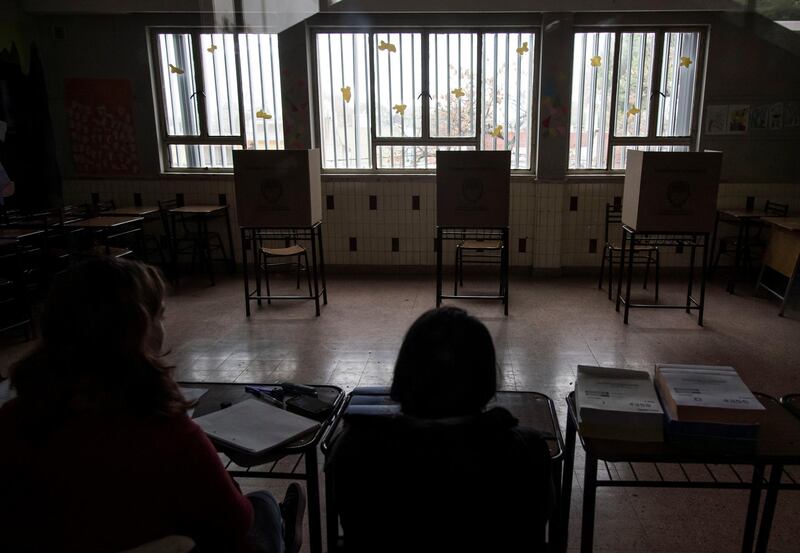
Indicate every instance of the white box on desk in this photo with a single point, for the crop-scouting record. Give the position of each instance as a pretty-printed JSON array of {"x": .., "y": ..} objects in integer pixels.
[
  {"x": 473, "y": 188},
  {"x": 671, "y": 191},
  {"x": 277, "y": 188}
]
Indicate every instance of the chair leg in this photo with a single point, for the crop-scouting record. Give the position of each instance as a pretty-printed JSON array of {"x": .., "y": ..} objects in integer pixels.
[
  {"x": 461, "y": 268},
  {"x": 266, "y": 278},
  {"x": 456, "y": 272},
  {"x": 786, "y": 294},
  {"x": 298, "y": 272},
  {"x": 610, "y": 271},
  {"x": 602, "y": 269},
  {"x": 647, "y": 270},
  {"x": 658, "y": 270}
]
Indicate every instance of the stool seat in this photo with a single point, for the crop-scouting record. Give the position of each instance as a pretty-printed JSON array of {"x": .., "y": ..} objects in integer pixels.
[
  {"x": 481, "y": 244},
  {"x": 283, "y": 252}
]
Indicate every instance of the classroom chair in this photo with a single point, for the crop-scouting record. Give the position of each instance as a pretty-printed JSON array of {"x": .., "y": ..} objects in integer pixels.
[
  {"x": 477, "y": 252},
  {"x": 754, "y": 244},
  {"x": 643, "y": 254},
  {"x": 284, "y": 256},
  {"x": 185, "y": 240}
]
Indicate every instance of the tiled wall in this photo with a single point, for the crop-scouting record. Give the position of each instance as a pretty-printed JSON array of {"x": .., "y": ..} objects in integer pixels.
[{"x": 374, "y": 220}]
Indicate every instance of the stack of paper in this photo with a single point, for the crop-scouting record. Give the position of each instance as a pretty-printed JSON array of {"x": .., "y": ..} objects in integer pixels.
[{"x": 617, "y": 404}]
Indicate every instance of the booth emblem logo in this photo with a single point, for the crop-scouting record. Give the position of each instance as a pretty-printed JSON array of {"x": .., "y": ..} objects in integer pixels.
[
  {"x": 678, "y": 193},
  {"x": 472, "y": 190},
  {"x": 271, "y": 191}
]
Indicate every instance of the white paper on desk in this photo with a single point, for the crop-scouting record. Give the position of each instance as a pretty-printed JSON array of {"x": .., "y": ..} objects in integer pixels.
[
  {"x": 3, "y": 129},
  {"x": 254, "y": 426},
  {"x": 192, "y": 395},
  {"x": 615, "y": 390}
]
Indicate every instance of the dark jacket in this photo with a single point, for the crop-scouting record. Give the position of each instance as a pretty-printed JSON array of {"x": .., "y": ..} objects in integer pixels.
[{"x": 478, "y": 483}]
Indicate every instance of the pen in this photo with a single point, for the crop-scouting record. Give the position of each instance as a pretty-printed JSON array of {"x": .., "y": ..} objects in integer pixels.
[{"x": 261, "y": 395}]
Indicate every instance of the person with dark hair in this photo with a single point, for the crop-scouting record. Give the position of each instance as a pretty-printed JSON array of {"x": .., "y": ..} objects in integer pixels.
[
  {"x": 98, "y": 453},
  {"x": 442, "y": 473}
]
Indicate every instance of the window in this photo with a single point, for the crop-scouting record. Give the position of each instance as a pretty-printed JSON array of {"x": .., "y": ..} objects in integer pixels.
[
  {"x": 216, "y": 92},
  {"x": 631, "y": 90},
  {"x": 389, "y": 100}
]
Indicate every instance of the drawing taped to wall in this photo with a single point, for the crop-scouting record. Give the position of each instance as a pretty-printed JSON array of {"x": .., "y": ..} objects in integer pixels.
[
  {"x": 759, "y": 116},
  {"x": 738, "y": 118},
  {"x": 776, "y": 116},
  {"x": 716, "y": 119}
]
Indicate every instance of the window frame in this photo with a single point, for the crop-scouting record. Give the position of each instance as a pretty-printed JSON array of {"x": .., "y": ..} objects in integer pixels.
[
  {"x": 652, "y": 138},
  {"x": 426, "y": 139},
  {"x": 165, "y": 140}
]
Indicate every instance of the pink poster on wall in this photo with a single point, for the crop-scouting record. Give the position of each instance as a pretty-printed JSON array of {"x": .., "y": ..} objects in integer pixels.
[{"x": 100, "y": 121}]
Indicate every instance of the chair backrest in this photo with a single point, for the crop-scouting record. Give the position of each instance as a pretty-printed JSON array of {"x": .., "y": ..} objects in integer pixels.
[
  {"x": 775, "y": 209},
  {"x": 100, "y": 207},
  {"x": 613, "y": 217},
  {"x": 163, "y": 210},
  {"x": 388, "y": 473}
]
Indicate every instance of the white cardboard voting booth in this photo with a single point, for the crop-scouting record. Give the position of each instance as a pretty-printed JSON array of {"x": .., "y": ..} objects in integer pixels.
[
  {"x": 671, "y": 191},
  {"x": 277, "y": 188},
  {"x": 473, "y": 188}
]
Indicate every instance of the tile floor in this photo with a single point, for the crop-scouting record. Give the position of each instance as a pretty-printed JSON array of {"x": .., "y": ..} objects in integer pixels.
[{"x": 553, "y": 325}]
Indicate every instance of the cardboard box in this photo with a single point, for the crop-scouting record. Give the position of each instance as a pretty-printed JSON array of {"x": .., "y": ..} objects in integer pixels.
[
  {"x": 671, "y": 191},
  {"x": 473, "y": 188},
  {"x": 277, "y": 188}
]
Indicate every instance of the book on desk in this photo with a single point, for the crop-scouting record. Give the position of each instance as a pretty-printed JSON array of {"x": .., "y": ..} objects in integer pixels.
[{"x": 703, "y": 402}]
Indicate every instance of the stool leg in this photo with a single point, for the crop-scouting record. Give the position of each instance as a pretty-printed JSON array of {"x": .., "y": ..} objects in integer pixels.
[
  {"x": 298, "y": 272},
  {"x": 647, "y": 270},
  {"x": 456, "y": 273},
  {"x": 610, "y": 272},
  {"x": 308, "y": 274},
  {"x": 658, "y": 269}
]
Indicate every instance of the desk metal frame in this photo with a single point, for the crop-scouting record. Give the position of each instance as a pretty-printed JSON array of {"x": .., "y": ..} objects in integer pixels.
[
  {"x": 251, "y": 239},
  {"x": 474, "y": 233},
  {"x": 242, "y": 466},
  {"x": 692, "y": 240},
  {"x": 674, "y": 455},
  {"x": 743, "y": 221},
  {"x": 201, "y": 217}
]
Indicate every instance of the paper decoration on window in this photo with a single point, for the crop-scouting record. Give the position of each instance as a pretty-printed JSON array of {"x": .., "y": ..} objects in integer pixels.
[
  {"x": 261, "y": 114},
  {"x": 211, "y": 49},
  {"x": 346, "y": 94},
  {"x": 387, "y": 46},
  {"x": 634, "y": 111},
  {"x": 522, "y": 49},
  {"x": 458, "y": 92},
  {"x": 176, "y": 70},
  {"x": 686, "y": 62},
  {"x": 596, "y": 61},
  {"x": 100, "y": 121},
  {"x": 497, "y": 132},
  {"x": 400, "y": 108}
]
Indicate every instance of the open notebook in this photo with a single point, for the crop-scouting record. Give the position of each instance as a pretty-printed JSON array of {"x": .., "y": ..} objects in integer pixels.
[{"x": 254, "y": 426}]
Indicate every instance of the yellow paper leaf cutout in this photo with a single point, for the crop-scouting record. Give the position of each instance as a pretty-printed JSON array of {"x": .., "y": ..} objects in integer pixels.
[
  {"x": 634, "y": 111},
  {"x": 400, "y": 108},
  {"x": 387, "y": 46},
  {"x": 522, "y": 49},
  {"x": 211, "y": 49},
  {"x": 686, "y": 62},
  {"x": 597, "y": 61},
  {"x": 497, "y": 132},
  {"x": 458, "y": 92},
  {"x": 176, "y": 70},
  {"x": 346, "y": 94},
  {"x": 261, "y": 114}
]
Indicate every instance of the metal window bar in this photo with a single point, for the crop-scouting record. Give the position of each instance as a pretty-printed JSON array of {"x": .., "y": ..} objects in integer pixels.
[{"x": 344, "y": 104}]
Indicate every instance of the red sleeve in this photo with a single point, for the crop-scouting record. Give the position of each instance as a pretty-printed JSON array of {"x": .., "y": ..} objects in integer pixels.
[{"x": 219, "y": 513}]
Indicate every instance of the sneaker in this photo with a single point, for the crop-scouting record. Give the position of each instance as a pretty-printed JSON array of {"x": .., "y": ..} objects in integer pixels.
[{"x": 293, "y": 508}]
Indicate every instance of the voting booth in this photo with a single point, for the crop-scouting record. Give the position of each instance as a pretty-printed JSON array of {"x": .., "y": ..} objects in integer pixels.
[
  {"x": 671, "y": 191},
  {"x": 277, "y": 188},
  {"x": 473, "y": 188}
]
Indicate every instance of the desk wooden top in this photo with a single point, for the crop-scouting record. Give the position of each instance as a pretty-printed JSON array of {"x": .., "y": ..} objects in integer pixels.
[
  {"x": 19, "y": 233},
  {"x": 132, "y": 211},
  {"x": 105, "y": 222},
  {"x": 742, "y": 213},
  {"x": 199, "y": 209},
  {"x": 788, "y": 223}
]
